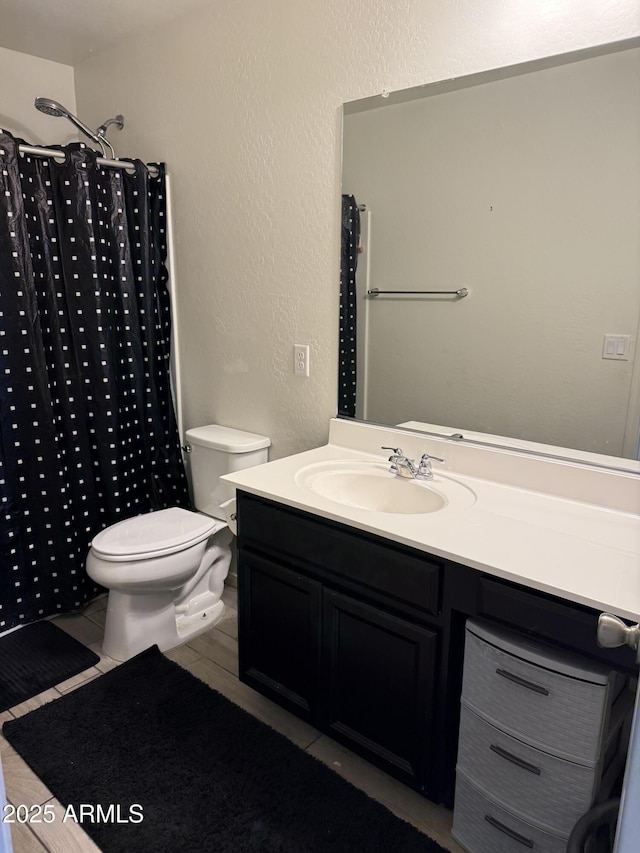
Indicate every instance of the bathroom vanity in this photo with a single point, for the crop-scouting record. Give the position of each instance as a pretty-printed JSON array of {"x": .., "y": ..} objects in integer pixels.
[{"x": 354, "y": 618}]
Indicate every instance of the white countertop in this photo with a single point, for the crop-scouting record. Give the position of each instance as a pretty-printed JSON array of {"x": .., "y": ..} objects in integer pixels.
[{"x": 552, "y": 541}]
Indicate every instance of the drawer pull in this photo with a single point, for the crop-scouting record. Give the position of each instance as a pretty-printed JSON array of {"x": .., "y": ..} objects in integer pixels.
[
  {"x": 520, "y": 762},
  {"x": 523, "y": 682},
  {"x": 521, "y": 839}
]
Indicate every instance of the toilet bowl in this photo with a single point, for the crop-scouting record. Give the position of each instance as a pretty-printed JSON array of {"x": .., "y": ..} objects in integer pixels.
[{"x": 165, "y": 570}]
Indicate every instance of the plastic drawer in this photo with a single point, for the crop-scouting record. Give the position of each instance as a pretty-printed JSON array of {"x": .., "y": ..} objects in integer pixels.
[
  {"x": 551, "y": 710},
  {"x": 550, "y": 791},
  {"x": 482, "y": 826}
]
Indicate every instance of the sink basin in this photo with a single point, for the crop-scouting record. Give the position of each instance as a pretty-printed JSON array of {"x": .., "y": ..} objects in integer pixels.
[{"x": 371, "y": 486}]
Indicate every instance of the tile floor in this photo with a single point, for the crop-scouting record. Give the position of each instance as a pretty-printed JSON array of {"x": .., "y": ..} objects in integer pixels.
[{"x": 212, "y": 657}]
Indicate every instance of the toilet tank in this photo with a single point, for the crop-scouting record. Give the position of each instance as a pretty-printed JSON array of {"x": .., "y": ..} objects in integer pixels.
[{"x": 218, "y": 450}]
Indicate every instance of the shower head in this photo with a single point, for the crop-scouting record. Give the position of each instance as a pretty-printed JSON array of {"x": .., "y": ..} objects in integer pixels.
[
  {"x": 50, "y": 108},
  {"x": 53, "y": 108}
]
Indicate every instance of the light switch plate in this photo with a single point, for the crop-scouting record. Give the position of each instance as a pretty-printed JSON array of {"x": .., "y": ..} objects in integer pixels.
[{"x": 616, "y": 347}]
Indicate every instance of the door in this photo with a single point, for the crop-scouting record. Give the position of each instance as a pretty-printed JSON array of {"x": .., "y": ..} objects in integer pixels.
[
  {"x": 379, "y": 675},
  {"x": 612, "y": 633},
  {"x": 628, "y": 830},
  {"x": 279, "y": 636}
]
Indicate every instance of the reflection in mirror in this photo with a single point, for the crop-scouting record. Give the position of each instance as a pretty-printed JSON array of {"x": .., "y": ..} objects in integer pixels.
[{"x": 522, "y": 186}]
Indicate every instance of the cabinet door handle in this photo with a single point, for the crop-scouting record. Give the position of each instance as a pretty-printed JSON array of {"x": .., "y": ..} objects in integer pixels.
[
  {"x": 521, "y": 839},
  {"x": 520, "y": 762},
  {"x": 523, "y": 682}
]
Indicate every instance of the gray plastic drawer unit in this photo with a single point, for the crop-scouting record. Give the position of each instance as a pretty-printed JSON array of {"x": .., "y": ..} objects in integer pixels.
[
  {"x": 482, "y": 824},
  {"x": 542, "y": 737},
  {"x": 553, "y": 703},
  {"x": 549, "y": 789}
]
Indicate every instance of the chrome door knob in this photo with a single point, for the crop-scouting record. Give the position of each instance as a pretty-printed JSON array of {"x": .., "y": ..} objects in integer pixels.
[{"x": 613, "y": 632}]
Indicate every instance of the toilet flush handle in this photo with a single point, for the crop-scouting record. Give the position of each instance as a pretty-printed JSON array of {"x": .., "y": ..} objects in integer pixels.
[{"x": 187, "y": 448}]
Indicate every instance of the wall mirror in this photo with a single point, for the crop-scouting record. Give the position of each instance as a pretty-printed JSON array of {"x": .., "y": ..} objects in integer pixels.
[{"x": 521, "y": 187}]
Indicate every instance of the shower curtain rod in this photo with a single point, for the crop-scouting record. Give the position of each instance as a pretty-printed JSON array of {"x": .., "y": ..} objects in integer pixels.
[{"x": 127, "y": 165}]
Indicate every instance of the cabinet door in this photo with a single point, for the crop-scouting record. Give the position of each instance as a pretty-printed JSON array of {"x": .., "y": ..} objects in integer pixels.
[
  {"x": 279, "y": 633},
  {"x": 379, "y": 675}
]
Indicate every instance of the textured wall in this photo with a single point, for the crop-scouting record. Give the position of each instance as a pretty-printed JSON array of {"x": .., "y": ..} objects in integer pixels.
[
  {"x": 24, "y": 78},
  {"x": 243, "y": 103}
]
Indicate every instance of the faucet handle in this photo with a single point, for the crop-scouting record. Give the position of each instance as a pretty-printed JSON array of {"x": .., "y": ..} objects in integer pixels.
[
  {"x": 397, "y": 454},
  {"x": 424, "y": 468}
]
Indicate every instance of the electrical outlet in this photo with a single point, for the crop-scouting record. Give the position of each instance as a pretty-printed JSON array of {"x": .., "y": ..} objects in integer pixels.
[{"x": 301, "y": 359}]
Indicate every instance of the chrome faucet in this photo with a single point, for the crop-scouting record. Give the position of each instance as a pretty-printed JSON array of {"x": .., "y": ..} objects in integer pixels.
[{"x": 401, "y": 466}]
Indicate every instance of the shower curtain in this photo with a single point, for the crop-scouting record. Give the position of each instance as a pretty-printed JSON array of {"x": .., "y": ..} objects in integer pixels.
[
  {"x": 87, "y": 428},
  {"x": 348, "y": 263}
]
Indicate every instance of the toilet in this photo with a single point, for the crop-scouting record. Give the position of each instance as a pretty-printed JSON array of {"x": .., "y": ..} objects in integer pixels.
[{"x": 165, "y": 570}]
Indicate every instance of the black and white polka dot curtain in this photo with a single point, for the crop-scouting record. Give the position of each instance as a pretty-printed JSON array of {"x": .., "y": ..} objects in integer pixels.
[
  {"x": 87, "y": 428},
  {"x": 348, "y": 264}
]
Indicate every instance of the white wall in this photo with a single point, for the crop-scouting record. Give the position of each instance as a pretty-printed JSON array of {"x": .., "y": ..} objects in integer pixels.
[
  {"x": 24, "y": 78},
  {"x": 243, "y": 103},
  {"x": 524, "y": 190}
]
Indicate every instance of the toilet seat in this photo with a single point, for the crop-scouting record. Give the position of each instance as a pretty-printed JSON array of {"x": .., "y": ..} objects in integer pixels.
[{"x": 154, "y": 534}]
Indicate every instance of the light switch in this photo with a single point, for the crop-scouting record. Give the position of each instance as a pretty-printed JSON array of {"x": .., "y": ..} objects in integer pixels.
[{"x": 616, "y": 347}]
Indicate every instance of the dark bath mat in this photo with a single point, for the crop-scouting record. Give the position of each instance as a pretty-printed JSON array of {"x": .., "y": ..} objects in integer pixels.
[
  {"x": 37, "y": 657},
  {"x": 150, "y": 740}
]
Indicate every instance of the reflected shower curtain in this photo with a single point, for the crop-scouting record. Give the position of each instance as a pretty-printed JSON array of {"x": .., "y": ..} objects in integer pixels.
[
  {"x": 87, "y": 428},
  {"x": 348, "y": 263}
]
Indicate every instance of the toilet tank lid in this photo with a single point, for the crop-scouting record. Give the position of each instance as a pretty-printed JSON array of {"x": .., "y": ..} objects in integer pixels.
[{"x": 227, "y": 439}]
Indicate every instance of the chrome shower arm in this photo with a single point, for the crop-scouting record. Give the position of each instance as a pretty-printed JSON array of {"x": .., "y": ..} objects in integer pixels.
[
  {"x": 101, "y": 131},
  {"x": 118, "y": 120}
]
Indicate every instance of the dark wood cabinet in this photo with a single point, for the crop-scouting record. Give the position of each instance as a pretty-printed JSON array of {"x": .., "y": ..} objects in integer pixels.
[
  {"x": 379, "y": 674},
  {"x": 364, "y": 637},
  {"x": 354, "y": 670},
  {"x": 279, "y": 622}
]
